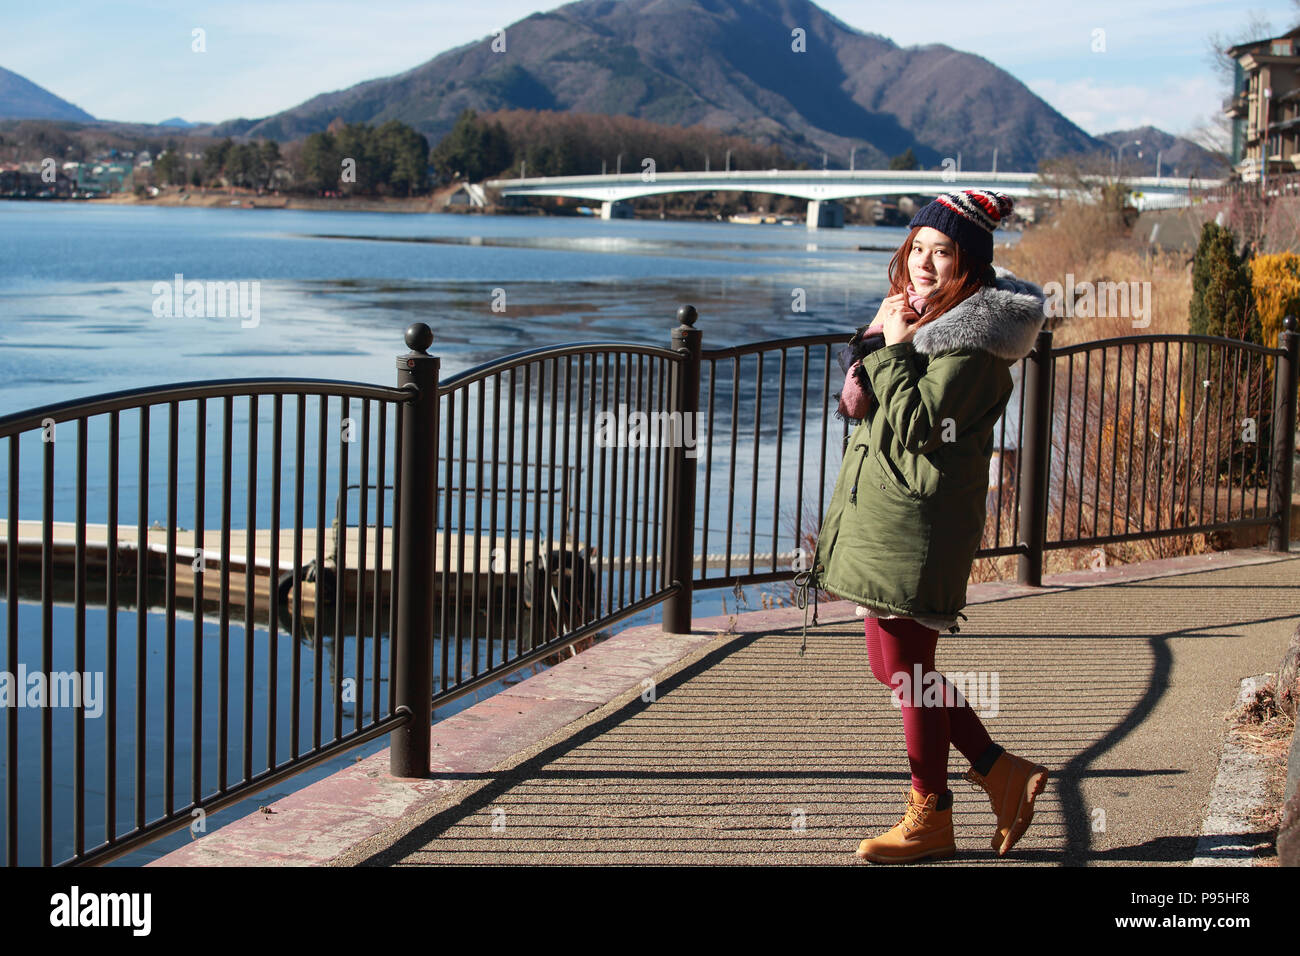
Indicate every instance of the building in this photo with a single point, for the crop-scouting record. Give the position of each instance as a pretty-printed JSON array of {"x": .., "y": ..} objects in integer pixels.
[{"x": 1265, "y": 105}]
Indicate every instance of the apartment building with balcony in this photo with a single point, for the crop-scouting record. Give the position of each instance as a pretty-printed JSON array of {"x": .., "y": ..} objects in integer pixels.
[{"x": 1265, "y": 105}]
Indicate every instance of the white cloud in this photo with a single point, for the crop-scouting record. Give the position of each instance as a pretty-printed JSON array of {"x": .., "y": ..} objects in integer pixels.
[{"x": 1175, "y": 104}]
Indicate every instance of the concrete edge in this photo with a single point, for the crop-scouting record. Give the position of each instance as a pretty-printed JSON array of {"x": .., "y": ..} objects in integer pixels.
[
  {"x": 1228, "y": 838},
  {"x": 320, "y": 822}
]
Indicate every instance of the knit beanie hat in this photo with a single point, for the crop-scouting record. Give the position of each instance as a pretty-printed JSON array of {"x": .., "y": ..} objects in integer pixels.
[{"x": 968, "y": 218}]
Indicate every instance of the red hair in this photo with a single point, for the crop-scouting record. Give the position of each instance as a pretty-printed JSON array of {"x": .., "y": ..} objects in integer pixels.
[{"x": 968, "y": 277}]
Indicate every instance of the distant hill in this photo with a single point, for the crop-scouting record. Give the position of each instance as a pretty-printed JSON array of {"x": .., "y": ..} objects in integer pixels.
[
  {"x": 726, "y": 64},
  {"x": 20, "y": 98},
  {"x": 180, "y": 123},
  {"x": 1178, "y": 156}
]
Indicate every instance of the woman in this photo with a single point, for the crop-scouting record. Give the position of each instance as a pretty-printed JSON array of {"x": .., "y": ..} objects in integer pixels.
[{"x": 908, "y": 510}]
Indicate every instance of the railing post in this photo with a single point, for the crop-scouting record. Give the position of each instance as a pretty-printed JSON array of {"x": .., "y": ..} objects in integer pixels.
[
  {"x": 679, "y": 513},
  {"x": 1036, "y": 436},
  {"x": 1284, "y": 422},
  {"x": 412, "y": 645}
]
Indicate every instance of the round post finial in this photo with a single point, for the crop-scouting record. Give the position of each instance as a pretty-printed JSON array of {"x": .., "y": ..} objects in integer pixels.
[
  {"x": 1289, "y": 323},
  {"x": 419, "y": 337},
  {"x": 687, "y": 315}
]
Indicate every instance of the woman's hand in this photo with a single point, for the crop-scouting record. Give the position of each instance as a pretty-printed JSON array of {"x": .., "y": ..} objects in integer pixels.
[{"x": 896, "y": 319}]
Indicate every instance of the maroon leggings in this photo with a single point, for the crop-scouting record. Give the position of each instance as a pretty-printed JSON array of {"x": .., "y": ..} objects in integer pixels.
[{"x": 895, "y": 645}]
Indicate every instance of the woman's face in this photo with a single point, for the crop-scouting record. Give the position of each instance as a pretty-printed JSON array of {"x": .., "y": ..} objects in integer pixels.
[{"x": 930, "y": 262}]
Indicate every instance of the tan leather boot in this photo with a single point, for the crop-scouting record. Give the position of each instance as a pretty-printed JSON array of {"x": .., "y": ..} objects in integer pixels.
[
  {"x": 1012, "y": 783},
  {"x": 924, "y": 833}
]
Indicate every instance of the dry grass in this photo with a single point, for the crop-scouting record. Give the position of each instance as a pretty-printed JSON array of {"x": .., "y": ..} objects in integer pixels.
[{"x": 1265, "y": 730}]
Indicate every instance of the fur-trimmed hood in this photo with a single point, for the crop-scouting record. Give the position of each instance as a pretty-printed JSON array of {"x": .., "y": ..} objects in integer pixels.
[{"x": 1003, "y": 318}]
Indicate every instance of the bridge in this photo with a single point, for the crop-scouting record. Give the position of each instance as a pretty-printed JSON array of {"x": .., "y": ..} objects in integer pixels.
[{"x": 823, "y": 188}]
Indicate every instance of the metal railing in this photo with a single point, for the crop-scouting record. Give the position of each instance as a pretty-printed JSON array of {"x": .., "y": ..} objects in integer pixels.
[
  {"x": 536, "y": 500},
  {"x": 189, "y": 751}
]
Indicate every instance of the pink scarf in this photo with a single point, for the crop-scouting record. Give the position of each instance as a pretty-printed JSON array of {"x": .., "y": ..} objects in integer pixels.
[{"x": 916, "y": 301}]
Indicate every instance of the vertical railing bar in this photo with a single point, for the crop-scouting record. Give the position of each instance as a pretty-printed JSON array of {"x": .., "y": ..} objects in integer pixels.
[
  {"x": 1128, "y": 465},
  {"x": 478, "y": 532},
  {"x": 300, "y": 476},
  {"x": 444, "y": 590},
  {"x": 489, "y": 623},
  {"x": 590, "y": 582},
  {"x": 1254, "y": 464},
  {"x": 79, "y": 646},
  {"x": 1160, "y": 458},
  {"x": 381, "y": 558},
  {"x": 1083, "y": 442},
  {"x": 1178, "y": 425},
  {"x": 223, "y": 685},
  {"x": 250, "y": 581},
  {"x": 273, "y": 585},
  {"x": 461, "y": 563},
  {"x": 622, "y": 511},
  {"x": 1114, "y": 434},
  {"x": 1205, "y": 438},
  {"x": 803, "y": 431},
  {"x": 708, "y": 474},
  {"x": 634, "y": 473},
  {"x": 1218, "y": 429},
  {"x": 196, "y": 665},
  {"x": 825, "y": 417},
  {"x": 566, "y": 580},
  {"x": 1015, "y": 521},
  {"x": 47, "y": 649},
  {"x": 534, "y": 626},
  {"x": 1146, "y": 437},
  {"x": 142, "y": 617},
  {"x": 731, "y": 475},
  {"x": 11, "y": 642},
  {"x": 523, "y": 497},
  {"x": 776, "y": 479},
  {"x": 363, "y": 516},
  {"x": 394, "y": 579},
  {"x": 339, "y": 657},
  {"x": 1065, "y": 478},
  {"x": 507, "y": 531},
  {"x": 318, "y": 592},
  {"x": 79, "y": 667},
  {"x": 545, "y": 597},
  {"x": 169, "y": 667},
  {"x": 753, "y": 471},
  {"x": 1232, "y": 430},
  {"x": 603, "y": 589},
  {"x": 110, "y": 626},
  {"x": 667, "y": 380}
]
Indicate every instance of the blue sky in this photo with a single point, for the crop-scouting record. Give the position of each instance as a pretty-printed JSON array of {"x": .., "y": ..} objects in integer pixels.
[{"x": 132, "y": 59}]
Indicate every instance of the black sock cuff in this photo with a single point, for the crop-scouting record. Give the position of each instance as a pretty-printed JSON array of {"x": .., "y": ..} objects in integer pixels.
[{"x": 987, "y": 759}]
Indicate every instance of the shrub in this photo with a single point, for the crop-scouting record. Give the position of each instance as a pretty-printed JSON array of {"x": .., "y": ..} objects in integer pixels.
[{"x": 1221, "y": 297}]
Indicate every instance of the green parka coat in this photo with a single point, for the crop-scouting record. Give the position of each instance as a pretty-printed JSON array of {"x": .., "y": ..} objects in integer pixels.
[{"x": 907, "y": 514}]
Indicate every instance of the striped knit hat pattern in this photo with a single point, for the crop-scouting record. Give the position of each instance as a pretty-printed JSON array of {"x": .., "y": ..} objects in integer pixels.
[{"x": 968, "y": 218}]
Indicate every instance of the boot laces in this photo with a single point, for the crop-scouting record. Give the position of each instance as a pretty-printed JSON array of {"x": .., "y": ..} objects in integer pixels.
[{"x": 914, "y": 817}]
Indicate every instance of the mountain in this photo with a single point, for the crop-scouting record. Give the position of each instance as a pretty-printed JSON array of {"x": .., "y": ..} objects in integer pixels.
[
  {"x": 726, "y": 64},
  {"x": 180, "y": 123},
  {"x": 20, "y": 98},
  {"x": 1178, "y": 156}
]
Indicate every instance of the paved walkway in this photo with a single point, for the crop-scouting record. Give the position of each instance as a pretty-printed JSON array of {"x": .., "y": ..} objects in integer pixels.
[{"x": 742, "y": 752}]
